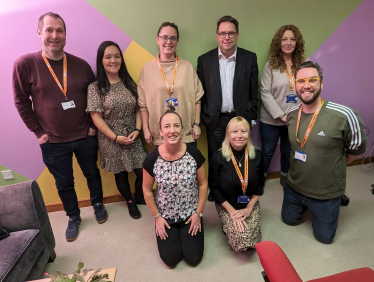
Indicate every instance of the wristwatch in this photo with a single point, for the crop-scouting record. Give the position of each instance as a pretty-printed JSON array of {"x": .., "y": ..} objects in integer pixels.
[
  {"x": 197, "y": 124},
  {"x": 199, "y": 213}
]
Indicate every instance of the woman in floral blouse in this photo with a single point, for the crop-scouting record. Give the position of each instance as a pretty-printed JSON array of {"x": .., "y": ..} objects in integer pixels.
[{"x": 178, "y": 204}]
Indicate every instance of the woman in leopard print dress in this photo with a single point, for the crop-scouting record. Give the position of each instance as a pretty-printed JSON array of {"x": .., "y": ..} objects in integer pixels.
[
  {"x": 112, "y": 102},
  {"x": 237, "y": 201}
]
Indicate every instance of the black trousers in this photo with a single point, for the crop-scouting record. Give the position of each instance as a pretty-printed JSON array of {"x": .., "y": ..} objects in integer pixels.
[
  {"x": 181, "y": 244},
  {"x": 217, "y": 135}
]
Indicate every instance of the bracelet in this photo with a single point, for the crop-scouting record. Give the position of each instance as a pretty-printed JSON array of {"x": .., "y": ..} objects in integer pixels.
[
  {"x": 157, "y": 215},
  {"x": 138, "y": 130},
  {"x": 115, "y": 138}
]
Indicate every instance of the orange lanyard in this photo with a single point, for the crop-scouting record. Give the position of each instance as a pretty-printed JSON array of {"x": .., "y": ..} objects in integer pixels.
[
  {"x": 243, "y": 181},
  {"x": 291, "y": 79},
  {"x": 310, "y": 124},
  {"x": 170, "y": 89},
  {"x": 65, "y": 74}
]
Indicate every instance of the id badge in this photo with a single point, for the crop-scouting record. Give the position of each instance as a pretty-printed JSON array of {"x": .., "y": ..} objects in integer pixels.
[
  {"x": 243, "y": 199},
  {"x": 68, "y": 105},
  {"x": 300, "y": 156},
  {"x": 171, "y": 103},
  {"x": 291, "y": 98}
]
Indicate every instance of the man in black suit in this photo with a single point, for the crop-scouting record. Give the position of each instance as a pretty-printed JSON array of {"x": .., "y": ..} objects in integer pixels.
[{"x": 229, "y": 76}]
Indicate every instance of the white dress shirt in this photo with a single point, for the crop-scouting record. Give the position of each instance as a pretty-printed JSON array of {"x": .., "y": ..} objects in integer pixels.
[{"x": 227, "y": 72}]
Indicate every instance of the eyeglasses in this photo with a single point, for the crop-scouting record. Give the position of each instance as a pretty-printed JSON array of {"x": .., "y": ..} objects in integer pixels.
[
  {"x": 231, "y": 34},
  {"x": 165, "y": 39},
  {"x": 312, "y": 81}
]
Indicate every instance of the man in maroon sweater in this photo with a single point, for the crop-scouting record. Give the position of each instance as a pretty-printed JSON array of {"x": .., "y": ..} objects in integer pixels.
[{"x": 57, "y": 84}]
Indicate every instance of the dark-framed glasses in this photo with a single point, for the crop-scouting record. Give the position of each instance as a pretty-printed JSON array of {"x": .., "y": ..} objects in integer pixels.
[
  {"x": 164, "y": 39},
  {"x": 231, "y": 34},
  {"x": 312, "y": 81}
]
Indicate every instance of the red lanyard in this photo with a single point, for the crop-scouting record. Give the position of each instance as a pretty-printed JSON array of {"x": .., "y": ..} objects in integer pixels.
[
  {"x": 170, "y": 89},
  {"x": 307, "y": 133},
  {"x": 291, "y": 79},
  {"x": 245, "y": 180},
  {"x": 65, "y": 74}
]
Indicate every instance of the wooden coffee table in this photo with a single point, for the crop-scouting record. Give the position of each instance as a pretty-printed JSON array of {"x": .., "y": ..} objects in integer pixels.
[{"x": 111, "y": 272}]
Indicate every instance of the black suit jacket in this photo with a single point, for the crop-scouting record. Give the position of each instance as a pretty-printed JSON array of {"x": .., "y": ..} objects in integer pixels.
[{"x": 245, "y": 86}]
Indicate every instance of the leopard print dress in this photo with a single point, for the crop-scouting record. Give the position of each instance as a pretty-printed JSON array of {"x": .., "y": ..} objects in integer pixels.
[
  {"x": 241, "y": 241},
  {"x": 118, "y": 108}
]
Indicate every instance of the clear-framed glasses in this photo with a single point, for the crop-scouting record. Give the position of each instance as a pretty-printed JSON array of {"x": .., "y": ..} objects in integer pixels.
[
  {"x": 312, "y": 81},
  {"x": 164, "y": 39},
  {"x": 231, "y": 34}
]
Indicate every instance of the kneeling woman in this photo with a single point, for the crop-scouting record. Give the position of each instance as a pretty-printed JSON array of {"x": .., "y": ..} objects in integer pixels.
[
  {"x": 178, "y": 204},
  {"x": 236, "y": 179}
]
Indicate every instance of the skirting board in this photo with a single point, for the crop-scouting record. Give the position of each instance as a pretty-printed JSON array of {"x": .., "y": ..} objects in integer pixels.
[{"x": 118, "y": 197}]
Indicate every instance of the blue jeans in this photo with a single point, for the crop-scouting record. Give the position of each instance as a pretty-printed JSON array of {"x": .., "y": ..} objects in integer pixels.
[
  {"x": 58, "y": 157},
  {"x": 325, "y": 213},
  {"x": 269, "y": 138}
]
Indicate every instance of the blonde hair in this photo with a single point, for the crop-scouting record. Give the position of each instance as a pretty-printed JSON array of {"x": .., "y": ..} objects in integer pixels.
[{"x": 226, "y": 143}]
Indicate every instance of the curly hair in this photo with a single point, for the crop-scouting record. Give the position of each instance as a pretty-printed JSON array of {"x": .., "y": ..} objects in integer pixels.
[{"x": 275, "y": 56}]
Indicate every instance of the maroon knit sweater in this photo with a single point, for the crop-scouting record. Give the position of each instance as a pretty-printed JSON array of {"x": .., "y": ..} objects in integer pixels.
[{"x": 38, "y": 98}]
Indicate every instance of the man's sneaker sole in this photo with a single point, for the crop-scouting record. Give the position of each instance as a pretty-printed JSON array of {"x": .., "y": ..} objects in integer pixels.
[
  {"x": 72, "y": 239},
  {"x": 102, "y": 221}
]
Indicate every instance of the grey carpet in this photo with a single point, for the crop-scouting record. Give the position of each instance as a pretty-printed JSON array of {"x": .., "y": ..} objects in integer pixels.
[{"x": 130, "y": 245}]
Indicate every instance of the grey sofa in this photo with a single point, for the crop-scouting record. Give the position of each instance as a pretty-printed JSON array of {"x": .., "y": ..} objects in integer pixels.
[{"x": 25, "y": 253}]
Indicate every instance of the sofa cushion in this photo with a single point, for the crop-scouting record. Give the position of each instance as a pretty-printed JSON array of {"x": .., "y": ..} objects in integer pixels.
[
  {"x": 17, "y": 207},
  {"x": 18, "y": 244}
]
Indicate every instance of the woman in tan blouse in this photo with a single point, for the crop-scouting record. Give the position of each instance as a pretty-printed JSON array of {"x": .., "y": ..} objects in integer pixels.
[{"x": 169, "y": 82}]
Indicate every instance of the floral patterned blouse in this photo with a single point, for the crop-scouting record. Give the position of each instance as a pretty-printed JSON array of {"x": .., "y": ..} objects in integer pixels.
[{"x": 177, "y": 191}]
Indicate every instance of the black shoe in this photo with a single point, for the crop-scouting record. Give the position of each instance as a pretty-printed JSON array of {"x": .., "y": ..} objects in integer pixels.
[
  {"x": 210, "y": 197},
  {"x": 133, "y": 210},
  {"x": 140, "y": 201},
  {"x": 345, "y": 200},
  {"x": 100, "y": 212},
  {"x": 73, "y": 228},
  {"x": 282, "y": 180}
]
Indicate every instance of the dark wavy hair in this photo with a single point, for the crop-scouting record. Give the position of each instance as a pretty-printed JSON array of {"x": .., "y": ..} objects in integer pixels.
[
  {"x": 103, "y": 83},
  {"x": 275, "y": 56}
]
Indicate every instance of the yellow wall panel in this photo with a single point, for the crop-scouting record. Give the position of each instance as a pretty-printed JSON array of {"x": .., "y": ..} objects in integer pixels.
[{"x": 135, "y": 57}]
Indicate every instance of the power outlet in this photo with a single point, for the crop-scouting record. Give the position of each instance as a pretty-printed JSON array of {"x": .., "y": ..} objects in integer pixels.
[{"x": 7, "y": 174}]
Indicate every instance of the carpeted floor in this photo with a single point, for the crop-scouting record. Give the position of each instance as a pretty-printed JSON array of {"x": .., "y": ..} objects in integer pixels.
[{"x": 130, "y": 245}]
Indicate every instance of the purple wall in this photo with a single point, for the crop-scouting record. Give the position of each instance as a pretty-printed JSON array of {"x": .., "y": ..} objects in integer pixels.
[{"x": 19, "y": 147}]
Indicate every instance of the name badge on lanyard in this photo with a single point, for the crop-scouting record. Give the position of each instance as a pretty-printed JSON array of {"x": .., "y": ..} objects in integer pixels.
[
  {"x": 244, "y": 181},
  {"x": 243, "y": 199},
  {"x": 301, "y": 156},
  {"x": 171, "y": 103},
  {"x": 68, "y": 105},
  {"x": 291, "y": 98}
]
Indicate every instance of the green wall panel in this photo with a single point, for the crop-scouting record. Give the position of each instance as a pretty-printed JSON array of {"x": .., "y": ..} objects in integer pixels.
[
  {"x": 196, "y": 19},
  {"x": 18, "y": 178}
]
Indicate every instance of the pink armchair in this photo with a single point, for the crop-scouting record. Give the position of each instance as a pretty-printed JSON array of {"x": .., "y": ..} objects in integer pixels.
[{"x": 278, "y": 268}]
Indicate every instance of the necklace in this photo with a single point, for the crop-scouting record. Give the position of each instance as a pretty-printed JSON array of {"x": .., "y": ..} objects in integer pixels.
[{"x": 240, "y": 165}]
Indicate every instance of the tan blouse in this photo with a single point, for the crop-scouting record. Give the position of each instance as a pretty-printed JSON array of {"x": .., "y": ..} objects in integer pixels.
[{"x": 153, "y": 95}]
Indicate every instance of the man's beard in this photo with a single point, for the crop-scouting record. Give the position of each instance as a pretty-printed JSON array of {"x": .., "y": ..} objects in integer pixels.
[{"x": 311, "y": 101}]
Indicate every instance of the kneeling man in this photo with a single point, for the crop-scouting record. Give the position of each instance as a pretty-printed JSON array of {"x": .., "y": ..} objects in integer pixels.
[{"x": 324, "y": 137}]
